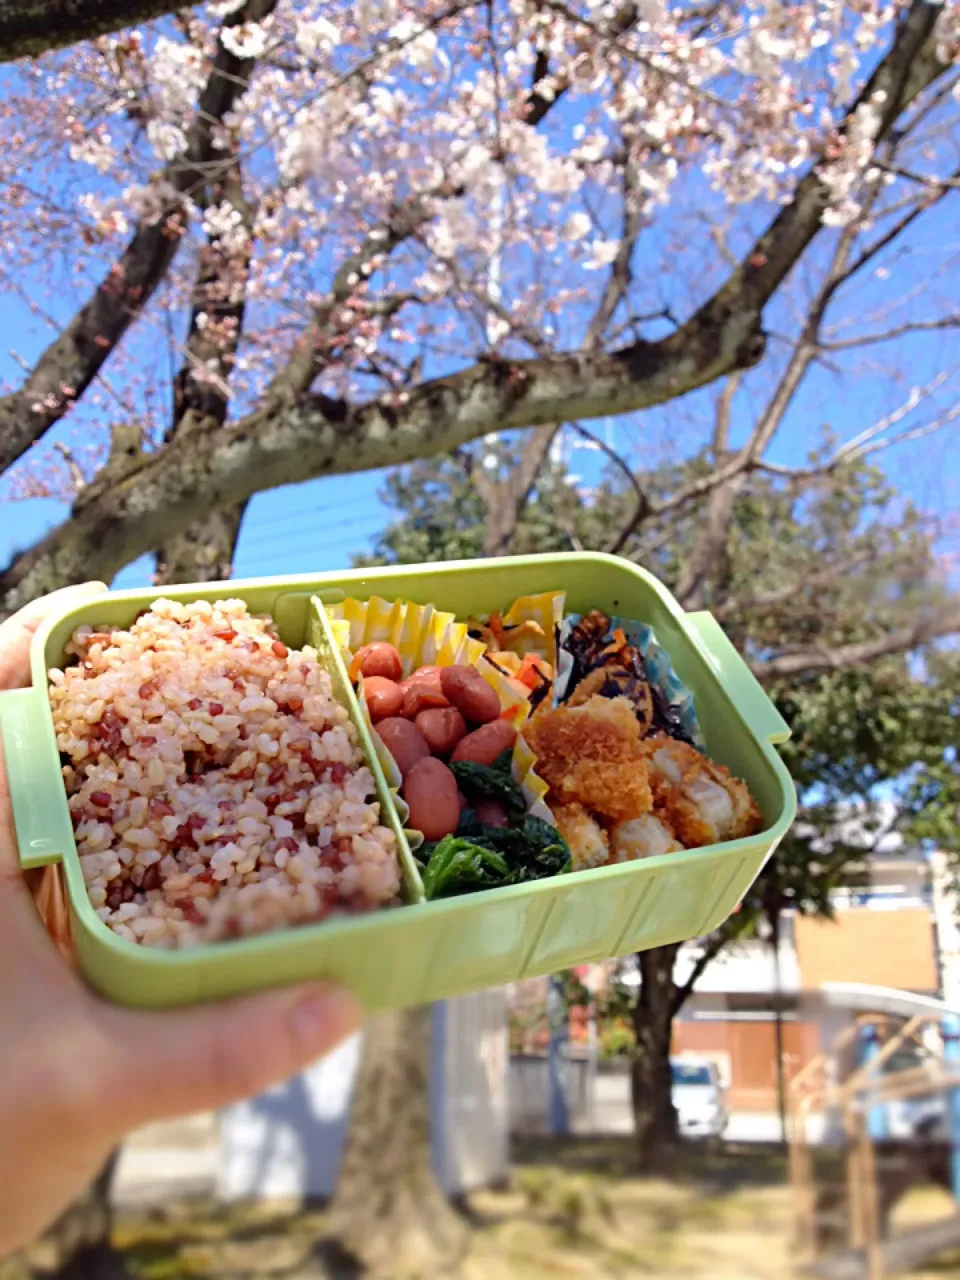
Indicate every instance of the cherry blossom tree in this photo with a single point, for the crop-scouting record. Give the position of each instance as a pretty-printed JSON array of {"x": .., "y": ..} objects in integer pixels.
[
  {"x": 302, "y": 206},
  {"x": 325, "y": 237}
]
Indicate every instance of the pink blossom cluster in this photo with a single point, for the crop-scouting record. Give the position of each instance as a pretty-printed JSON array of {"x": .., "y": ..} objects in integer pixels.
[{"x": 527, "y": 129}]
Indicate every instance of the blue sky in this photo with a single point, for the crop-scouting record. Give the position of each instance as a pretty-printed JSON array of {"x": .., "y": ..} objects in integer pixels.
[{"x": 320, "y": 525}]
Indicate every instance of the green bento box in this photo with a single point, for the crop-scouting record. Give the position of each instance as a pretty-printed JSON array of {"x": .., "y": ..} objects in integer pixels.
[{"x": 425, "y": 951}]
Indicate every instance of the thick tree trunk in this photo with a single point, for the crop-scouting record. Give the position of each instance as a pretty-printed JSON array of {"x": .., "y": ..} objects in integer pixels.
[
  {"x": 388, "y": 1213},
  {"x": 204, "y": 551},
  {"x": 654, "y": 1115}
]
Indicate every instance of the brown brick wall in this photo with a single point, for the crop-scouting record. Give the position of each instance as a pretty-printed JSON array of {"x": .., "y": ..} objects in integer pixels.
[
  {"x": 749, "y": 1048},
  {"x": 885, "y": 948}
]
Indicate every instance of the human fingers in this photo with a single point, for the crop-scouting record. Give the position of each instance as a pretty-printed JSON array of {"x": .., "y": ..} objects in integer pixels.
[
  {"x": 176, "y": 1062},
  {"x": 18, "y": 630}
]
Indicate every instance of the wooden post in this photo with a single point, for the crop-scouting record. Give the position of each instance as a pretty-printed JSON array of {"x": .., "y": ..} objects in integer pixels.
[{"x": 869, "y": 1206}]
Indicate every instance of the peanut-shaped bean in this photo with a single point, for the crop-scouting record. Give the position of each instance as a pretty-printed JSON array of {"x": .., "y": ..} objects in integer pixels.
[
  {"x": 486, "y": 744},
  {"x": 430, "y": 790}
]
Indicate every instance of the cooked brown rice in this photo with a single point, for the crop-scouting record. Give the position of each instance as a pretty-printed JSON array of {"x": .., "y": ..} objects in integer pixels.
[{"x": 215, "y": 784}]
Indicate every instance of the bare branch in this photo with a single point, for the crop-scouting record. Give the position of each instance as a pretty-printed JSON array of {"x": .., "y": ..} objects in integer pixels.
[
  {"x": 643, "y": 506},
  {"x": 866, "y": 441},
  {"x": 506, "y": 499},
  {"x": 891, "y": 234},
  {"x": 709, "y": 559},
  {"x": 293, "y": 438},
  {"x": 924, "y": 631},
  {"x": 940, "y": 185},
  {"x": 620, "y": 277},
  {"x": 77, "y": 478},
  {"x": 70, "y": 363},
  {"x": 826, "y": 577},
  {"x": 871, "y": 339},
  {"x": 710, "y": 949}
]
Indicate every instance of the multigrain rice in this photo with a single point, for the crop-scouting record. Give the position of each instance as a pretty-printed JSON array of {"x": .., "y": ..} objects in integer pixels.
[{"x": 215, "y": 784}]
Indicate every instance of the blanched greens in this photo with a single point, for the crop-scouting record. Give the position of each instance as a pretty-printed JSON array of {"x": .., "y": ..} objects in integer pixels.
[
  {"x": 491, "y": 782},
  {"x": 480, "y": 856},
  {"x": 484, "y": 857}
]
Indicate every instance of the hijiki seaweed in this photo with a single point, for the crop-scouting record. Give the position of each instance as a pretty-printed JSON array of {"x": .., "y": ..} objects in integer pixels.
[{"x": 604, "y": 663}]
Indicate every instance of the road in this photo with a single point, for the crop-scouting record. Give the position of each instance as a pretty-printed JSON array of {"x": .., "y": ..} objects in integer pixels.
[{"x": 610, "y": 1113}]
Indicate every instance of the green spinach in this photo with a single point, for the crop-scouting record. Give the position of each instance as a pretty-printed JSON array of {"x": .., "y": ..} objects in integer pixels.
[
  {"x": 484, "y": 857},
  {"x": 491, "y": 782}
]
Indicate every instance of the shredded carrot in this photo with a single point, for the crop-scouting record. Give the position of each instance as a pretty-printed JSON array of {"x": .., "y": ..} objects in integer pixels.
[
  {"x": 618, "y": 641},
  {"x": 533, "y": 669}
]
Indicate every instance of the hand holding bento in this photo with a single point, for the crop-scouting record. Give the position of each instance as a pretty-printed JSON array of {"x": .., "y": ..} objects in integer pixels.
[{"x": 78, "y": 1074}]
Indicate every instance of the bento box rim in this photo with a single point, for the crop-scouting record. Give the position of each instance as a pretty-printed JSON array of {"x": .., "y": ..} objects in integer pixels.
[{"x": 309, "y": 584}]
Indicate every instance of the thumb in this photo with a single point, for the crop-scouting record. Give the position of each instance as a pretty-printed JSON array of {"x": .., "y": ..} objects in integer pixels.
[{"x": 173, "y": 1063}]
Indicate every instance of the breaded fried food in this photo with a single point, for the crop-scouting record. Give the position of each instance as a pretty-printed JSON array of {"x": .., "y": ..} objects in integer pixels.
[
  {"x": 701, "y": 800},
  {"x": 643, "y": 837},
  {"x": 589, "y": 843},
  {"x": 591, "y": 755}
]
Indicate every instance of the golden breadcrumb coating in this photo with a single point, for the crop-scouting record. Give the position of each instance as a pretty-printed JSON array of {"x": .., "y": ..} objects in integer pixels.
[
  {"x": 589, "y": 843},
  {"x": 592, "y": 755},
  {"x": 701, "y": 800}
]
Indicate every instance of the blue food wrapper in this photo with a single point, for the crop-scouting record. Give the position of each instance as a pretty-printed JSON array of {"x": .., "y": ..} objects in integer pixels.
[{"x": 660, "y": 672}]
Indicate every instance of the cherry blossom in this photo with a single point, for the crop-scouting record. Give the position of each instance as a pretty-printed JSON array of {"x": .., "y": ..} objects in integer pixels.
[{"x": 524, "y": 133}]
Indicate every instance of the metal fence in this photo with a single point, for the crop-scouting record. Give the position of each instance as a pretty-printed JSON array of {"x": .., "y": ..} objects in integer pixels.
[{"x": 597, "y": 1094}]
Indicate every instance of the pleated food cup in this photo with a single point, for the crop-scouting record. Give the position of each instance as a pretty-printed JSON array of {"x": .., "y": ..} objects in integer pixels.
[
  {"x": 425, "y": 636},
  {"x": 422, "y": 951}
]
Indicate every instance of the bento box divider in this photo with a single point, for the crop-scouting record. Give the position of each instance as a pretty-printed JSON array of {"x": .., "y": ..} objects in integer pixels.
[
  {"x": 291, "y": 609},
  {"x": 329, "y": 636}
]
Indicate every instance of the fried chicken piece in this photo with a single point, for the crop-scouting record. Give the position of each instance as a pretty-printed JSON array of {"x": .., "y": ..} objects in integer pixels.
[
  {"x": 643, "y": 837},
  {"x": 701, "y": 800},
  {"x": 589, "y": 843},
  {"x": 591, "y": 755}
]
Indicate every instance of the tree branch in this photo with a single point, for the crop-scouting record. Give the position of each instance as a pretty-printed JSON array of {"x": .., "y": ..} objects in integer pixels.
[
  {"x": 315, "y": 436},
  {"x": 29, "y": 28},
  {"x": 910, "y": 66},
  {"x": 201, "y": 391},
  {"x": 866, "y": 441},
  {"x": 811, "y": 582},
  {"x": 871, "y": 339},
  {"x": 643, "y": 507},
  {"x": 70, "y": 363},
  {"x": 884, "y": 241},
  {"x": 312, "y": 351},
  {"x": 506, "y": 499},
  {"x": 618, "y": 281},
  {"x": 708, "y": 556},
  {"x": 711, "y": 948},
  {"x": 312, "y": 435},
  {"x": 945, "y": 622},
  {"x": 216, "y": 319}
]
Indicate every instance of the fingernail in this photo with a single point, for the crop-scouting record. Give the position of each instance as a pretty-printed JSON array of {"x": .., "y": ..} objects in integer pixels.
[{"x": 325, "y": 1016}]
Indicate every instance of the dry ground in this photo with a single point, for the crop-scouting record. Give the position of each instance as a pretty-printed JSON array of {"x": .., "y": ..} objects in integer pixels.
[{"x": 573, "y": 1211}]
